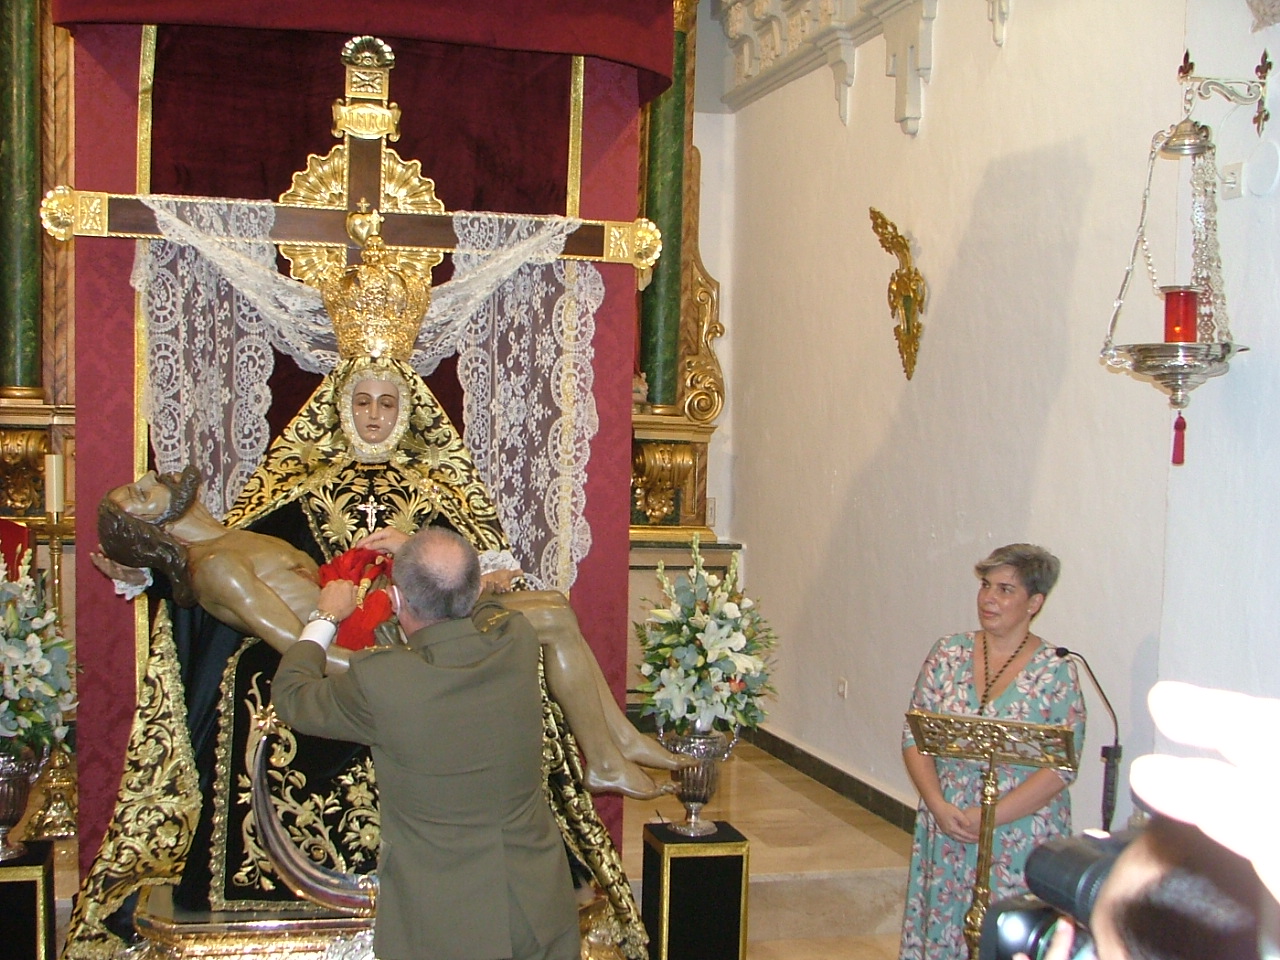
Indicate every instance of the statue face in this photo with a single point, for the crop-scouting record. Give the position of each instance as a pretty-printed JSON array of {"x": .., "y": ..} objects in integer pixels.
[
  {"x": 375, "y": 406},
  {"x": 146, "y": 499}
]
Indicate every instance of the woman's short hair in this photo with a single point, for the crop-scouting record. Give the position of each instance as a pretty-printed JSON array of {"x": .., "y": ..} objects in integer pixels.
[{"x": 1036, "y": 567}]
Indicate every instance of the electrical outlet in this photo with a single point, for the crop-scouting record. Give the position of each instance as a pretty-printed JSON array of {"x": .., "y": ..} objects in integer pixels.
[
  {"x": 842, "y": 688},
  {"x": 711, "y": 511},
  {"x": 1233, "y": 181}
]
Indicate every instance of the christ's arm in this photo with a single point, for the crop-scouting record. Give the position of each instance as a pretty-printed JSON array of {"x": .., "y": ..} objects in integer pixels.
[{"x": 228, "y": 587}]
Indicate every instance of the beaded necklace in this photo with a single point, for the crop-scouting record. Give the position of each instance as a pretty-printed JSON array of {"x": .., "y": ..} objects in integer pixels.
[{"x": 988, "y": 680}]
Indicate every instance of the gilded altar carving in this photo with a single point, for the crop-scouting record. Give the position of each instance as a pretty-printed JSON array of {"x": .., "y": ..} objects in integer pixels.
[
  {"x": 702, "y": 381},
  {"x": 906, "y": 291},
  {"x": 22, "y": 471},
  {"x": 660, "y": 471}
]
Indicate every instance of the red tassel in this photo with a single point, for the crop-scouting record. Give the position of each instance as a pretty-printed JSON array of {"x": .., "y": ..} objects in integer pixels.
[{"x": 1179, "y": 441}]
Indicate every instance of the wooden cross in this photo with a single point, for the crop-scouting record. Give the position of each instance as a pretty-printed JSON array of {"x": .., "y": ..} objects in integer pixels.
[{"x": 312, "y": 217}]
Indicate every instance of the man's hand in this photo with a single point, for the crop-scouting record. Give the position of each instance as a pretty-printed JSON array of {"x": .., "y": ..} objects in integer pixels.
[
  {"x": 386, "y": 540},
  {"x": 498, "y": 581},
  {"x": 338, "y": 599},
  {"x": 1223, "y": 797}
]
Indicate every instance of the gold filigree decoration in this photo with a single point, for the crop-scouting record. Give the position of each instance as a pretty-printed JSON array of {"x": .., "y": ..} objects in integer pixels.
[
  {"x": 318, "y": 822},
  {"x": 367, "y": 51},
  {"x": 366, "y": 121},
  {"x": 430, "y": 474},
  {"x": 348, "y": 811},
  {"x": 906, "y": 291},
  {"x": 659, "y": 471},
  {"x": 58, "y": 212},
  {"x": 376, "y": 309},
  {"x": 1000, "y": 741},
  {"x": 156, "y": 810},
  {"x": 405, "y": 189},
  {"x": 599, "y": 931},
  {"x": 309, "y": 263},
  {"x": 638, "y": 243},
  {"x": 323, "y": 183},
  {"x": 57, "y": 815},
  {"x": 91, "y": 214}
]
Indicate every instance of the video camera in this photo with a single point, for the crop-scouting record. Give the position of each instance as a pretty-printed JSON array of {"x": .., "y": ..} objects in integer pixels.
[{"x": 1065, "y": 876}]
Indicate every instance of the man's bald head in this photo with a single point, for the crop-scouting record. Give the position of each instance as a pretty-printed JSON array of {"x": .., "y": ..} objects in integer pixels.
[{"x": 438, "y": 573}]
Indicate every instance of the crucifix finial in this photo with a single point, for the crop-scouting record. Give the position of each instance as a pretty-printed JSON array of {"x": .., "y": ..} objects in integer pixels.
[{"x": 370, "y": 508}]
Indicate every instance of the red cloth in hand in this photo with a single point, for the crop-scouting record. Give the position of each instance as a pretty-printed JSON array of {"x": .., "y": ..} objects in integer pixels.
[{"x": 362, "y": 567}]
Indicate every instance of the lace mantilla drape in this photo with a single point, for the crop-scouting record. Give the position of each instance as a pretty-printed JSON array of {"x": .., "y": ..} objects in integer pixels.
[{"x": 521, "y": 321}]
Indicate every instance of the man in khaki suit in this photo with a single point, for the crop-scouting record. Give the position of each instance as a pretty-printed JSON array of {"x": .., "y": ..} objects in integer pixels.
[{"x": 472, "y": 866}]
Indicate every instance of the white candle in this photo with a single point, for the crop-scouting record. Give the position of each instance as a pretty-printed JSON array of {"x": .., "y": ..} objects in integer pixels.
[{"x": 54, "y": 484}]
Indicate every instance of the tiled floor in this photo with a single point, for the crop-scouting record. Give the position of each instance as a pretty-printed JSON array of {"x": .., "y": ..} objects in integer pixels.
[{"x": 828, "y": 878}]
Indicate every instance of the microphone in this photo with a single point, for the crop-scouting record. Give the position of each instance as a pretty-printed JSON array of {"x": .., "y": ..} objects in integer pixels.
[{"x": 1111, "y": 754}]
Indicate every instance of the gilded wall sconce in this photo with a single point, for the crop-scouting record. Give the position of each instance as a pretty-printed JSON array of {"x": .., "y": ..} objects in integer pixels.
[{"x": 906, "y": 291}]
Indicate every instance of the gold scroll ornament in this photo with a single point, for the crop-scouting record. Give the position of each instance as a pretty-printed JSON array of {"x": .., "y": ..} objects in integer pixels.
[{"x": 906, "y": 291}]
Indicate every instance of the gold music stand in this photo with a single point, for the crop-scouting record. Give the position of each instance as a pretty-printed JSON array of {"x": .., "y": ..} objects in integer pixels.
[{"x": 993, "y": 742}]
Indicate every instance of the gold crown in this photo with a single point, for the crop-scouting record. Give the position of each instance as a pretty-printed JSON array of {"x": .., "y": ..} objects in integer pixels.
[{"x": 376, "y": 310}]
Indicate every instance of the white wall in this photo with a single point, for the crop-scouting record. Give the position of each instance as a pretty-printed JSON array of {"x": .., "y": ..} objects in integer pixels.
[
  {"x": 1222, "y": 606},
  {"x": 863, "y": 499}
]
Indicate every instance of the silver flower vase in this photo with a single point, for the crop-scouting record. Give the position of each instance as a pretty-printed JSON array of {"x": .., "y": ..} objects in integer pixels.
[
  {"x": 16, "y": 776},
  {"x": 696, "y": 783}
]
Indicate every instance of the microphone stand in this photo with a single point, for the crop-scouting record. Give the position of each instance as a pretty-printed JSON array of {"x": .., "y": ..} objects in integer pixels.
[{"x": 1110, "y": 755}]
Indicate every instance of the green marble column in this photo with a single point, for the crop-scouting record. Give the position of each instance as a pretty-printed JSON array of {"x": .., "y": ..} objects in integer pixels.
[
  {"x": 664, "y": 205},
  {"x": 20, "y": 373}
]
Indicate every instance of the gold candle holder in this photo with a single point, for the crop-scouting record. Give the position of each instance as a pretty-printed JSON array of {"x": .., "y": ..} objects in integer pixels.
[{"x": 56, "y": 529}]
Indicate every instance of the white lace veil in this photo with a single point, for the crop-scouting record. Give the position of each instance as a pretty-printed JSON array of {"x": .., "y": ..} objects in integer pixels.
[{"x": 520, "y": 320}]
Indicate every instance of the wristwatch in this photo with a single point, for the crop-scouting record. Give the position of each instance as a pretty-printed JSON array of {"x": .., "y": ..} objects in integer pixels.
[{"x": 318, "y": 614}]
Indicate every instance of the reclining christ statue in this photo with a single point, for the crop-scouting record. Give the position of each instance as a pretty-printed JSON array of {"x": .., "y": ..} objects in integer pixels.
[{"x": 266, "y": 588}]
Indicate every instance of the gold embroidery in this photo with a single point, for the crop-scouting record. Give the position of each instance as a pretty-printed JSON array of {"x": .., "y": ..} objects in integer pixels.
[
  {"x": 338, "y": 829},
  {"x": 156, "y": 810}
]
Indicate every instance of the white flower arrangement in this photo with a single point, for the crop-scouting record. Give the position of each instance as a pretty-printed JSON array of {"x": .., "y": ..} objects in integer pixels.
[
  {"x": 35, "y": 678},
  {"x": 706, "y": 654}
]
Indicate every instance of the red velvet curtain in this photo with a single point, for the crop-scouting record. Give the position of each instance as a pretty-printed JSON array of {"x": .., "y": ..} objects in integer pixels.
[
  {"x": 638, "y": 33},
  {"x": 235, "y": 114}
]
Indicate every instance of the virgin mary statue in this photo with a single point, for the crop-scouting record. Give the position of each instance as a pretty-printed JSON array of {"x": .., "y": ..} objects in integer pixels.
[{"x": 371, "y": 448}]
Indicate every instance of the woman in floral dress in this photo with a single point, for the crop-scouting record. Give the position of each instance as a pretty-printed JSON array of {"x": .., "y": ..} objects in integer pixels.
[{"x": 1001, "y": 671}]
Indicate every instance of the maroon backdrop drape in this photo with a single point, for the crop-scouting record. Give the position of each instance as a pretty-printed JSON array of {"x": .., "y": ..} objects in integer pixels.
[
  {"x": 637, "y": 33},
  {"x": 236, "y": 113}
]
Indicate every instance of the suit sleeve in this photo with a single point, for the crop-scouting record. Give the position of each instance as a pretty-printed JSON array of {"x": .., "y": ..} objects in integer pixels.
[{"x": 311, "y": 703}]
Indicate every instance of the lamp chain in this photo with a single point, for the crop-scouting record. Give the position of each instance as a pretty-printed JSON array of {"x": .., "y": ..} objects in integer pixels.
[
  {"x": 1139, "y": 243},
  {"x": 1212, "y": 325}
]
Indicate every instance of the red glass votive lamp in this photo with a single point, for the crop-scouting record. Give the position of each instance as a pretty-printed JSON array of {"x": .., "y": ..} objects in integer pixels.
[{"x": 1180, "y": 311}]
